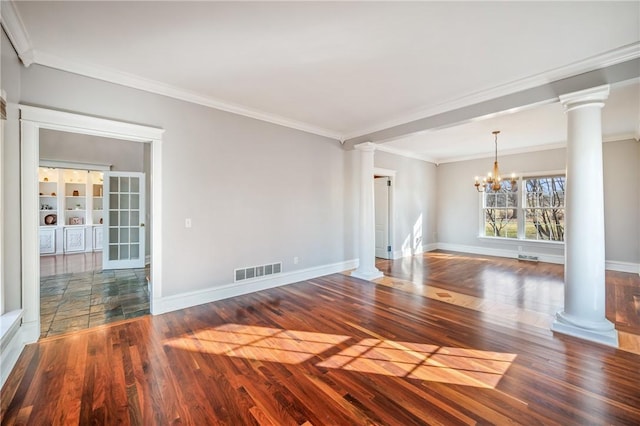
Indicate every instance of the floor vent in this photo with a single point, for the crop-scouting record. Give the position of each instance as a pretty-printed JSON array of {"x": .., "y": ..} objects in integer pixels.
[
  {"x": 242, "y": 274},
  {"x": 527, "y": 258}
]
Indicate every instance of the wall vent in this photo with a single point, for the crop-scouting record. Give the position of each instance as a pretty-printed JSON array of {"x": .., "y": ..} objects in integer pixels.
[
  {"x": 527, "y": 258},
  {"x": 251, "y": 272}
]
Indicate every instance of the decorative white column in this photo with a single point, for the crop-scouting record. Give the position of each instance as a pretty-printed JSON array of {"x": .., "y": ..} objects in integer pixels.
[
  {"x": 584, "y": 288},
  {"x": 367, "y": 263}
]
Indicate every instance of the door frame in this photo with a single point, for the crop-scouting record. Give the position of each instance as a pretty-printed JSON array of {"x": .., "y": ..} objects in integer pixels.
[
  {"x": 391, "y": 175},
  {"x": 32, "y": 119}
]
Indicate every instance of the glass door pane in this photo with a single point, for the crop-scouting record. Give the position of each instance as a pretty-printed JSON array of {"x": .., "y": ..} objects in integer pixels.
[{"x": 124, "y": 229}]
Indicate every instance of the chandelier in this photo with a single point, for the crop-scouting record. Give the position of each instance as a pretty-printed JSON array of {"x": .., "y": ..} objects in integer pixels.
[{"x": 493, "y": 179}]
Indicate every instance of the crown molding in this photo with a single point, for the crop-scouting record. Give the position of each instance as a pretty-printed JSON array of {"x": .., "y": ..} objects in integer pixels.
[
  {"x": 612, "y": 57},
  {"x": 17, "y": 32},
  {"x": 152, "y": 86},
  {"x": 18, "y": 35}
]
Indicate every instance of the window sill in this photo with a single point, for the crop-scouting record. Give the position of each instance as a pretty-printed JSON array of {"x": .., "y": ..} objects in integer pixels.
[{"x": 517, "y": 241}]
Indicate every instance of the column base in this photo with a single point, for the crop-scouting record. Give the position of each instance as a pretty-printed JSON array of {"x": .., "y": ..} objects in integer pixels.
[
  {"x": 603, "y": 332},
  {"x": 368, "y": 275}
]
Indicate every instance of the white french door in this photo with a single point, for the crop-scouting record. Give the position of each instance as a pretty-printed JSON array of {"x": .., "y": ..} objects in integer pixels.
[
  {"x": 124, "y": 228},
  {"x": 381, "y": 199}
]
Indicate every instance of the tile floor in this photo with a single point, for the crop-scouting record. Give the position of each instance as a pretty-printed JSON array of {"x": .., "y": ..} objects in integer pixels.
[{"x": 73, "y": 301}]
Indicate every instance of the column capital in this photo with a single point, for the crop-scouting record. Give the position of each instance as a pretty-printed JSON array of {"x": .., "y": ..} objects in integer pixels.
[
  {"x": 595, "y": 95},
  {"x": 366, "y": 146}
]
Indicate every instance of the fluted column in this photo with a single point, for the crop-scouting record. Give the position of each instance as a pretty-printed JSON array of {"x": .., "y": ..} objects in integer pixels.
[
  {"x": 584, "y": 288},
  {"x": 367, "y": 248}
]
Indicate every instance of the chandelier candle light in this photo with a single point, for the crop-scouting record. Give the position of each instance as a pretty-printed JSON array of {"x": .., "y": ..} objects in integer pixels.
[{"x": 493, "y": 179}]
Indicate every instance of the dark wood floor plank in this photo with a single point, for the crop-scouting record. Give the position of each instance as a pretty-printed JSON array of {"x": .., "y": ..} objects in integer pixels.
[{"x": 337, "y": 350}]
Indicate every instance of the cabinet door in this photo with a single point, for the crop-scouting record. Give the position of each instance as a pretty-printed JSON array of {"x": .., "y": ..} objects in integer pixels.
[
  {"x": 47, "y": 241},
  {"x": 97, "y": 238},
  {"x": 74, "y": 239}
]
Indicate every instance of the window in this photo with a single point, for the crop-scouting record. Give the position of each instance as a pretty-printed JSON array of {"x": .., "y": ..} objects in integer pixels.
[
  {"x": 535, "y": 213},
  {"x": 544, "y": 208},
  {"x": 500, "y": 211}
]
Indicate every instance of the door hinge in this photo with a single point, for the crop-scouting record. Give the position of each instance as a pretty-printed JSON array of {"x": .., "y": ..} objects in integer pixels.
[
  {"x": 388, "y": 182},
  {"x": 389, "y": 249}
]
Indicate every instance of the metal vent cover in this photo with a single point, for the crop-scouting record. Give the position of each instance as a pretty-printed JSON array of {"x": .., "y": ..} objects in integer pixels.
[{"x": 251, "y": 272}]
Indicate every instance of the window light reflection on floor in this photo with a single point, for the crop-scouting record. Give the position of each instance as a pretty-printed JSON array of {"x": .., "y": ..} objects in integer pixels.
[{"x": 419, "y": 361}]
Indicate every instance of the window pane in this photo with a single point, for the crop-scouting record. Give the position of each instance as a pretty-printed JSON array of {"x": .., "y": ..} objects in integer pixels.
[
  {"x": 124, "y": 185},
  {"x": 124, "y": 235},
  {"x": 544, "y": 219},
  {"x": 544, "y": 224},
  {"x": 490, "y": 200},
  {"x": 124, "y": 251},
  {"x": 113, "y": 235},
  {"x": 501, "y": 223},
  {"x": 124, "y": 201},
  {"x": 113, "y": 252}
]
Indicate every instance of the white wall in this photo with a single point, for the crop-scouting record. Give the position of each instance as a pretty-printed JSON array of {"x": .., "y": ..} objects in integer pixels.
[
  {"x": 458, "y": 202},
  {"x": 11, "y": 83},
  {"x": 256, "y": 192},
  {"x": 622, "y": 200},
  {"x": 124, "y": 156},
  {"x": 414, "y": 202}
]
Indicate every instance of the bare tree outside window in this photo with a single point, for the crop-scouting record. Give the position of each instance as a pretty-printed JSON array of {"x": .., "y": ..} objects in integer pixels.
[
  {"x": 501, "y": 211},
  {"x": 544, "y": 208}
]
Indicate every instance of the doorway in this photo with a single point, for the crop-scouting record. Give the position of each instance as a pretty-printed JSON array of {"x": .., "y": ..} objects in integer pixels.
[
  {"x": 34, "y": 119},
  {"x": 78, "y": 289},
  {"x": 382, "y": 185},
  {"x": 383, "y": 212}
]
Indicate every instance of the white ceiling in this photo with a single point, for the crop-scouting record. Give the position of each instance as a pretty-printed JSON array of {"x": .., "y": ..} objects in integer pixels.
[
  {"x": 344, "y": 69},
  {"x": 528, "y": 129}
]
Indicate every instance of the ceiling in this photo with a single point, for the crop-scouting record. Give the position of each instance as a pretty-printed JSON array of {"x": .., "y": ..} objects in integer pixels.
[{"x": 345, "y": 69}]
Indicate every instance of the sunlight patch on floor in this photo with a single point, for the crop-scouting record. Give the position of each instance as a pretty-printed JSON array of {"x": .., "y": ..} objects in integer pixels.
[{"x": 375, "y": 355}]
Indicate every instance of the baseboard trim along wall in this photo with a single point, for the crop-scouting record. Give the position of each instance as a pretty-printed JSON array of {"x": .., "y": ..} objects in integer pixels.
[
  {"x": 186, "y": 300},
  {"x": 611, "y": 265},
  {"x": 11, "y": 342},
  {"x": 408, "y": 251}
]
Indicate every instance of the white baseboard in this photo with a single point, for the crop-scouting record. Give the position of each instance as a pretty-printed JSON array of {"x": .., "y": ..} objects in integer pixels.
[
  {"x": 194, "y": 298},
  {"x": 408, "y": 252},
  {"x": 611, "y": 265},
  {"x": 430, "y": 247},
  {"x": 614, "y": 265},
  {"x": 11, "y": 342}
]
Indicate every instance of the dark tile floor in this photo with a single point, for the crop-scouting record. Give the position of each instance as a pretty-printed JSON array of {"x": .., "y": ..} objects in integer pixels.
[{"x": 78, "y": 300}]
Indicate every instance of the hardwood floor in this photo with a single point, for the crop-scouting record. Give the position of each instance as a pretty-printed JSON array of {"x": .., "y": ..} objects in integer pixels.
[
  {"x": 336, "y": 351},
  {"x": 532, "y": 286}
]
